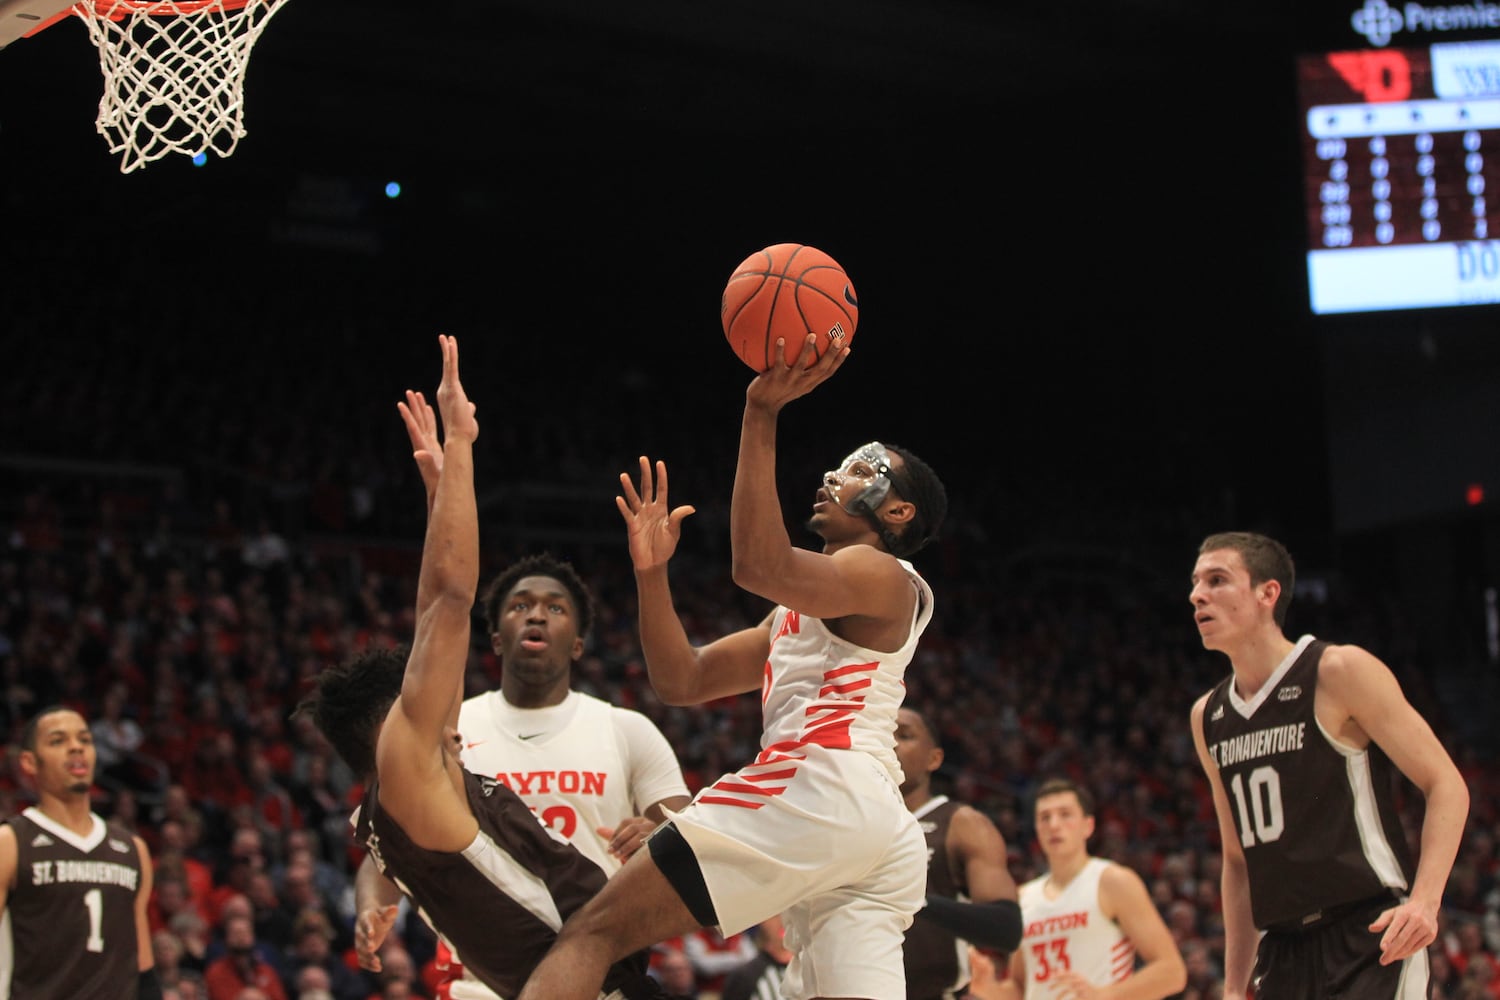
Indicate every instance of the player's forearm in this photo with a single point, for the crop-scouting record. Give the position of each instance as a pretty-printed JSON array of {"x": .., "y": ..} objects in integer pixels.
[
  {"x": 1164, "y": 977},
  {"x": 759, "y": 544},
  {"x": 1447, "y": 810},
  {"x": 671, "y": 662},
  {"x": 373, "y": 890},
  {"x": 990, "y": 925},
  {"x": 1240, "y": 935},
  {"x": 450, "y": 555}
]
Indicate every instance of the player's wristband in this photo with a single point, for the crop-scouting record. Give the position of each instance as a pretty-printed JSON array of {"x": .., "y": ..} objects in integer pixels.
[
  {"x": 994, "y": 925},
  {"x": 148, "y": 985}
]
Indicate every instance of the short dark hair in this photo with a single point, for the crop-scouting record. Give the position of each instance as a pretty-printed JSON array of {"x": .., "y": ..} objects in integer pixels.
[
  {"x": 28, "y": 732},
  {"x": 350, "y": 701},
  {"x": 541, "y": 564},
  {"x": 932, "y": 733},
  {"x": 1265, "y": 559},
  {"x": 915, "y": 481},
  {"x": 1062, "y": 786}
]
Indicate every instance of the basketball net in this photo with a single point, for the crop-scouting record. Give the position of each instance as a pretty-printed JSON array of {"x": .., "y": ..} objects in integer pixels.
[{"x": 174, "y": 73}]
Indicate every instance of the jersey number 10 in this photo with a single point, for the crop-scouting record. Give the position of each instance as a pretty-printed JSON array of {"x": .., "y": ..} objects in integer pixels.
[{"x": 1262, "y": 819}]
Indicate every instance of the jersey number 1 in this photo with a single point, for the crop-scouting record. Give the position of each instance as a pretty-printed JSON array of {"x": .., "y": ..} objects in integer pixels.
[
  {"x": 1264, "y": 806},
  {"x": 93, "y": 901}
]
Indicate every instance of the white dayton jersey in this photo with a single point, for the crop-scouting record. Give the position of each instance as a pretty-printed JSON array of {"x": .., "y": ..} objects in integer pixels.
[
  {"x": 580, "y": 764},
  {"x": 821, "y": 689},
  {"x": 1070, "y": 933}
]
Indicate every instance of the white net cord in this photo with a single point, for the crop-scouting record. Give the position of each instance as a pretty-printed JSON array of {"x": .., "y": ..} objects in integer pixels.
[{"x": 174, "y": 74}]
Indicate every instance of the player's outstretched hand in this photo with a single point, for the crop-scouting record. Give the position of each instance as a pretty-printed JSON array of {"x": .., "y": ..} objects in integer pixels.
[
  {"x": 453, "y": 404},
  {"x": 653, "y": 526},
  {"x": 370, "y": 929},
  {"x": 422, "y": 428},
  {"x": 1408, "y": 928},
  {"x": 780, "y": 384}
]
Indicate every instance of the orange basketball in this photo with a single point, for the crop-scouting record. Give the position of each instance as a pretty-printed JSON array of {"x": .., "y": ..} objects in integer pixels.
[{"x": 785, "y": 292}]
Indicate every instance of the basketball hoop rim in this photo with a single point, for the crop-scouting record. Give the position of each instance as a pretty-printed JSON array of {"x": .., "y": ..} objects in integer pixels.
[{"x": 115, "y": 10}]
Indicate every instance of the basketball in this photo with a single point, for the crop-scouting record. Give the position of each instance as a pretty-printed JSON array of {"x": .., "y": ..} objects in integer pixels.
[{"x": 787, "y": 291}]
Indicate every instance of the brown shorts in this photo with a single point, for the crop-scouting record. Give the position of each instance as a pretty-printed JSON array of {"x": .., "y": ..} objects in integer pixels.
[{"x": 1337, "y": 958}]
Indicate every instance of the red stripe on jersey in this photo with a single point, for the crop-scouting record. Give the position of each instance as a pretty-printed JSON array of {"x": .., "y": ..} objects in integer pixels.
[
  {"x": 735, "y": 786},
  {"x": 834, "y": 735},
  {"x": 832, "y": 689},
  {"x": 831, "y": 710},
  {"x": 782, "y": 775},
  {"x": 781, "y": 751},
  {"x": 852, "y": 668},
  {"x": 719, "y": 800}
]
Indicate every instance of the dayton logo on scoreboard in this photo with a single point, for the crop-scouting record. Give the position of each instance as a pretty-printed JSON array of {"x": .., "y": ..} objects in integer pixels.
[{"x": 1378, "y": 21}]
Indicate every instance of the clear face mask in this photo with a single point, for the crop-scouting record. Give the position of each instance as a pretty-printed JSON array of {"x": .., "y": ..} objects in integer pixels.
[{"x": 862, "y": 481}]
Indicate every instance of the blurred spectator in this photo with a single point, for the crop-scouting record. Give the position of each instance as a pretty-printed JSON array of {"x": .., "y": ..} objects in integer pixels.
[
  {"x": 1202, "y": 971},
  {"x": 675, "y": 973},
  {"x": 240, "y": 906},
  {"x": 272, "y": 922},
  {"x": 189, "y": 987},
  {"x": 196, "y": 937},
  {"x": 240, "y": 966},
  {"x": 760, "y": 978},
  {"x": 311, "y": 983},
  {"x": 175, "y": 840},
  {"x": 116, "y": 734},
  {"x": 167, "y": 951},
  {"x": 299, "y": 895},
  {"x": 332, "y": 883},
  {"x": 1444, "y": 978},
  {"x": 169, "y": 897},
  {"x": 212, "y": 775},
  {"x": 714, "y": 956},
  {"x": 398, "y": 974},
  {"x": 271, "y": 804},
  {"x": 245, "y": 857},
  {"x": 312, "y": 946},
  {"x": 322, "y": 805}
]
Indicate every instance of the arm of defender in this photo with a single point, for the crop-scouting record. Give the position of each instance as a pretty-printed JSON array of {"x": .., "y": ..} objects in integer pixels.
[
  {"x": 377, "y": 901},
  {"x": 992, "y": 919},
  {"x": 447, "y": 581}
]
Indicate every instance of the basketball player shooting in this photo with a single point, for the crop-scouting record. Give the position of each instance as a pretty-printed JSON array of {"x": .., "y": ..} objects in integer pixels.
[{"x": 815, "y": 827}]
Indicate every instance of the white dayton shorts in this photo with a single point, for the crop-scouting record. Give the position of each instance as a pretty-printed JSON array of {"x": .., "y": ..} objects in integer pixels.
[{"x": 824, "y": 839}]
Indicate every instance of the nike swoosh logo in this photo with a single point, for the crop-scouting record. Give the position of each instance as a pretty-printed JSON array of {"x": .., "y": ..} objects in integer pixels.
[
  {"x": 471, "y": 746},
  {"x": 531, "y": 736}
]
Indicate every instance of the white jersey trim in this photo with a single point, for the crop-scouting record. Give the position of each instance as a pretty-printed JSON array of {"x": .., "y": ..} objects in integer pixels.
[
  {"x": 1246, "y": 708},
  {"x": 94, "y": 839}
]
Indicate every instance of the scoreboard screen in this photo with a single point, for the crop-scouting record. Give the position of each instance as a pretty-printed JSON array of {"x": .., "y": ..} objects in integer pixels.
[{"x": 1401, "y": 172}]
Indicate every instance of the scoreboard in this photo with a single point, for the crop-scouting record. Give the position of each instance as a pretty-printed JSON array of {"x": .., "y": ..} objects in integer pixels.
[{"x": 1401, "y": 174}]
